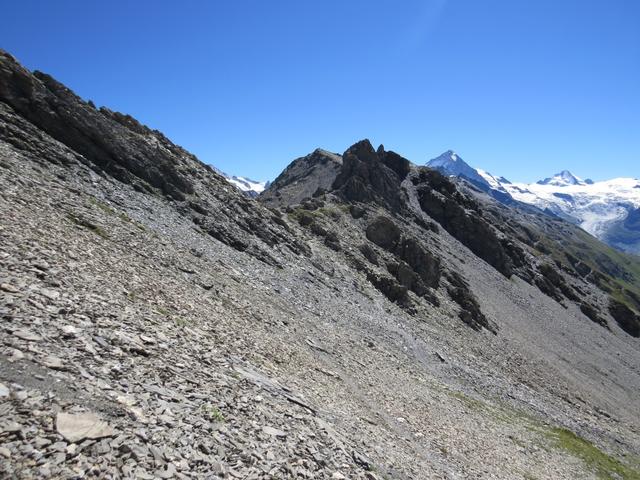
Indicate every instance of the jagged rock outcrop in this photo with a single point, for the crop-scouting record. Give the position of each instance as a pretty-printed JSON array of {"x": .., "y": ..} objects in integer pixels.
[
  {"x": 370, "y": 176},
  {"x": 383, "y": 232}
]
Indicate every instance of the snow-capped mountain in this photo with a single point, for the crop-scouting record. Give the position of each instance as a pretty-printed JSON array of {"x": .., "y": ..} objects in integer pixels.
[
  {"x": 450, "y": 163},
  {"x": 605, "y": 209},
  {"x": 564, "y": 179},
  {"x": 609, "y": 210},
  {"x": 250, "y": 187}
]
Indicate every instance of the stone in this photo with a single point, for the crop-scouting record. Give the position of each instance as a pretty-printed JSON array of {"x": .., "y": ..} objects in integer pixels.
[
  {"x": 16, "y": 355},
  {"x": 4, "y": 391},
  {"x": 49, "y": 293},
  {"x": 274, "y": 432},
  {"x": 41, "y": 442},
  {"x": 10, "y": 426},
  {"x": 27, "y": 335},
  {"x": 362, "y": 460},
  {"x": 69, "y": 331},
  {"x": 6, "y": 287},
  {"x": 168, "y": 472},
  {"x": 77, "y": 427},
  {"x": 53, "y": 362}
]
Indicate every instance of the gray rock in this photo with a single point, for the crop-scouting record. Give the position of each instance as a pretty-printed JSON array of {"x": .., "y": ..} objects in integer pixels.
[
  {"x": 28, "y": 335},
  {"x": 274, "y": 432},
  {"x": 77, "y": 427}
]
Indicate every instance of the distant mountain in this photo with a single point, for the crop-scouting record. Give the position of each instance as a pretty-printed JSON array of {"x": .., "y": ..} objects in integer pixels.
[
  {"x": 319, "y": 169},
  {"x": 609, "y": 210},
  {"x": 605, "y": 209},
  {"x": 252, "y": 188},
  {"x": 564, "y": 179},
  {"x": 451, "y": 164}
]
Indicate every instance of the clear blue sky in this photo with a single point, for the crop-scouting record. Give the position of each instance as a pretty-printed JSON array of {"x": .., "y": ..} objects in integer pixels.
[{"x": 520, "y": 88}]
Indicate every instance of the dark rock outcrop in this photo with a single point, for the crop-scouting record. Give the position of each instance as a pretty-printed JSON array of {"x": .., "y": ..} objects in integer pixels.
[
  {"x": 470, "y": 312},
  {"x": 626, "y": 318},
  {"x": 424, "y": 267},
  {"x": 391, "y": 289},
  {"x": 592, "y": 313},
  {"x": 114, "y": 143},
  {"x": 461, "y": 217},
  {"x": 365, "y": 177},
  {"x": 383, "y": 232}
]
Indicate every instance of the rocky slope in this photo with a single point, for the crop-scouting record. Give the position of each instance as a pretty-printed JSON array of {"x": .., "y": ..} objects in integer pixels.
[
  {"x": 609, "y": 210},
  {"x": 381, "y": 322}
]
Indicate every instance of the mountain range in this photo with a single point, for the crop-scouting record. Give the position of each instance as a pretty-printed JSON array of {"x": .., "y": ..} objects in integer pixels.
[
  {"x": 364, "y": 317},
  {"x": 609, "y": 210}
]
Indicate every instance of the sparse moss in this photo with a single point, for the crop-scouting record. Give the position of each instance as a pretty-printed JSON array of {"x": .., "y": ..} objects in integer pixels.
[
  {"x": 213, "y": 413},
  {"x": 82, "y": 222},
  {"x": 102, "y": 206},
  {"x": 180, "y": 322}
]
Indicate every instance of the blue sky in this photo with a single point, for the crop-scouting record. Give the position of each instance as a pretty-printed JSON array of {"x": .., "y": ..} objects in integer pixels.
[{"x": 521, "y": 88}]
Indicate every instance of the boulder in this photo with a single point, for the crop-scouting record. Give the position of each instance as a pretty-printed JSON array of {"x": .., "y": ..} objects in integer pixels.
[{"x": 383, "y": 232}]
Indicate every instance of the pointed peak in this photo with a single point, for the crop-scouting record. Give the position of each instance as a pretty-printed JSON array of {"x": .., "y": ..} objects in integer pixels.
[
  {"x": 452, "y": 154},
  {"x": 446, "y": 159},
  {"x": 563, "y": 179},
  {"x": 363, "y": 150}
]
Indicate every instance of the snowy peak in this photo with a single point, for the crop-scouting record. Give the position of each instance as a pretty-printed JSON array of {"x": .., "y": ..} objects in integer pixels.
[
  {"x": 448, "y": 160},
  {"x": 247, "y": 185},
  {"x": 450, "y": 163},
  {"x": 564, "y": 179}
]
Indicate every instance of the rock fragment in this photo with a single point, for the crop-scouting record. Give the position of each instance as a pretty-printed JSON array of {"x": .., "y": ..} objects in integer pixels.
[
  {"x": 77, "y": 427},
  {"x": 27, "y": 335}
]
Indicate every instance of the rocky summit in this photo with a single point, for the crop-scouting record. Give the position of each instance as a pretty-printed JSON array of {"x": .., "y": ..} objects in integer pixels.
[{"x": 362, "y": 318}]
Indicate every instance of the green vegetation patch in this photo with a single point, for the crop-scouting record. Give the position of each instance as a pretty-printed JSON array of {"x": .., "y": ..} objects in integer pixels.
[
  {"x": 82, "y": 222},
  {"x": 102, "y": 206},
  {"x": 605, "y": 466},
  {"x": 213, "y": 413}
]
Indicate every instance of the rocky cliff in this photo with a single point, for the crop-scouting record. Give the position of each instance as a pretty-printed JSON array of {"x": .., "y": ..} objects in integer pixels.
[{"x": 364, "y": 318}]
